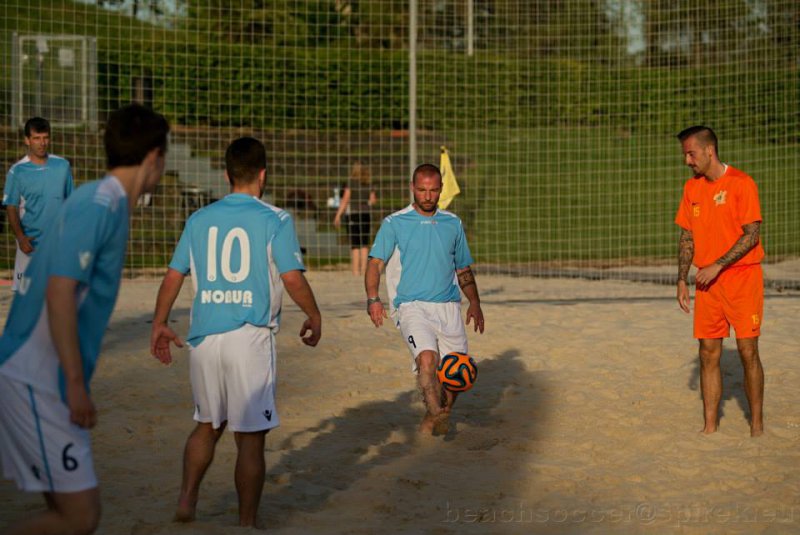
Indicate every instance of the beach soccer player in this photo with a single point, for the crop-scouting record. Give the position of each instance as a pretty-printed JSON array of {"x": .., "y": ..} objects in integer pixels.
[
  {"x": 51, "y": 343},
  {"x": 241, "y": 253},
  {"x": 720, "y": 220},
  {"x": 35, "y": 188},
  {"x": 426, "y": 256}
]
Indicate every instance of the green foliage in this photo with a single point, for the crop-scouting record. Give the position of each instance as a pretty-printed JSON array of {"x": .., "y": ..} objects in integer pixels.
[
  {"x": 570, "y": 143},
  {"x": 295, "y": 64},
  {"x": 267, "y": 88},
  {"x": 259, "y": 22}
]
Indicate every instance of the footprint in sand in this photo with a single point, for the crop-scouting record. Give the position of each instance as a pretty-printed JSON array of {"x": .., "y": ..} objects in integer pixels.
[
  {"x": 416, "y": 483},
  {"x": 484, "y": 445}
]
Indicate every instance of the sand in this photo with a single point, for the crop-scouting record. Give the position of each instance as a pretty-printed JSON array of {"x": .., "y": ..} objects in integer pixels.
[{"x": 584, "y": 419}]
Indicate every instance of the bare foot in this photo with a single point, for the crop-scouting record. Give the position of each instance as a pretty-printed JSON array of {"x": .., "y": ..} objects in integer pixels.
[
  {"x": 426, "y": 426},
  {"x": 708, "y": 430},
  {"x": 185, "y": 511},
  {"x": 254, "y": 525},
  {"x": 441, "y": 424},
  {"x": 435, "y": 424},
  {"x": 756, "y": 431}
]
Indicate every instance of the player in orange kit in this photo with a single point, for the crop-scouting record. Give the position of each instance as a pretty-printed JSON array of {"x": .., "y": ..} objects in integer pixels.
[{"x": 720, "y": 218}]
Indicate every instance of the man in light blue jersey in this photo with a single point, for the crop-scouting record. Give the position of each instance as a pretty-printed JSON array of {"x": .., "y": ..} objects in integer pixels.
[
  {"x": 241, "y": 253},
  {"x": 51, "y": 343},
  {"x": 36, "y": 186},
  {"x": 426, "y": 256}
]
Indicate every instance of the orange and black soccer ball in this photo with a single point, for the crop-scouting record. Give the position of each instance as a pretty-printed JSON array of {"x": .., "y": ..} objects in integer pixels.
[{"x": 457, "y": 372}]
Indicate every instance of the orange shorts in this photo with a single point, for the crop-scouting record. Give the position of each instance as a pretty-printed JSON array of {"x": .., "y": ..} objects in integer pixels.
[{"x": 735, "y": 298}]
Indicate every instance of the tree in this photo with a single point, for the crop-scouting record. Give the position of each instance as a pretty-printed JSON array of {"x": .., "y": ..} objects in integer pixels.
[
  {"x": 698, "y": 32},
  {"x": 280, "y": 22}
]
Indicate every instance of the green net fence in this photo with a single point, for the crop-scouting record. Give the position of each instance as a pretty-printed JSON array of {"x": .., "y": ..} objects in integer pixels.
[{"x": 559, "y": 116}]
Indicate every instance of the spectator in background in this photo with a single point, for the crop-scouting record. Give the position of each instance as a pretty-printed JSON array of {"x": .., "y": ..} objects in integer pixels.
[
  {"x": 359, "y": 196},
  {"x": 36, "y": 186}
]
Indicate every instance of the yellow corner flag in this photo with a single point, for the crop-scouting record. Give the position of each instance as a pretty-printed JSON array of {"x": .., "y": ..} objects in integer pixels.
[{"x": 449, "y": 184}]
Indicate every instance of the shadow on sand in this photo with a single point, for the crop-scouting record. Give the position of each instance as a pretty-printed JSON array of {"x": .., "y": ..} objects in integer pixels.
[
  {"x": 344, "y": 449},
  {"x": 732, "y": 381}
]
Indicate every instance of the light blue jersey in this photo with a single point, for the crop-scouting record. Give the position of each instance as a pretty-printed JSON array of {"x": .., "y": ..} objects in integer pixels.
[
  {"x": 422, "y": 255},
  {"x": 236, "y": 249},
  {"x": 38, "y": 191},
  {"x": 87, "y": 243}
]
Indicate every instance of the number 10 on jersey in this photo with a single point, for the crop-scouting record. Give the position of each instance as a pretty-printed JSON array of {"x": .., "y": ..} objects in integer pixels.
[{"x": 235, "y": 234}]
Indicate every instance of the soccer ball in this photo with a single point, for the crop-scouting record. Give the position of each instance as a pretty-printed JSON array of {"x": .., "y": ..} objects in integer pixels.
[{"x": 457, "y": 372}]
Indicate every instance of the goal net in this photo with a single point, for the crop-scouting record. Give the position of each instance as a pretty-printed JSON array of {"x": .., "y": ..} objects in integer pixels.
[{"x": 559, "y": 115}]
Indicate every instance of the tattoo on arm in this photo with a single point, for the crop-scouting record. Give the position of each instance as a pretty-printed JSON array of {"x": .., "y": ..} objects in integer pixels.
[
  {"x": 685, "y": 254},
  {"x": 466, "y": 278},
  {"x": 747, "y": 241}
]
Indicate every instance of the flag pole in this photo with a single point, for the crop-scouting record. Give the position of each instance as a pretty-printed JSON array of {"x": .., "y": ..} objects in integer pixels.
[
  {"x": 412, "y": 88},
  {"x": 470, "y": 27}
]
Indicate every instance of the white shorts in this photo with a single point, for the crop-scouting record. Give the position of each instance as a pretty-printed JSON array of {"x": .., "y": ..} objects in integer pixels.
[
  {"x": 233, "y": 379},
  {"x": 431, "y": 326},
  {"x": 21, "y": 261},
  {"x": 40, "y": 448}
]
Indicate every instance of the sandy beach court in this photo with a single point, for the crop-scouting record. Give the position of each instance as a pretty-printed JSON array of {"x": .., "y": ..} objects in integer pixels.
[{"x": 584, "y": 419}]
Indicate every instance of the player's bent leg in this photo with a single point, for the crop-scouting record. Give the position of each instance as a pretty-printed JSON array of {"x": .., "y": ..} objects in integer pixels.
[
  {"x": 710, "y": 381},
  {"x": 197, "y": 457},
  {"x": 249, "y": 474},
  {"x": 753, "y": 382},
  {"x": 448, "y": 399},
  {"x": 73, "y": 512},
  {"x": 429, "y": 385},
  {"x": 435, "y": 417}
]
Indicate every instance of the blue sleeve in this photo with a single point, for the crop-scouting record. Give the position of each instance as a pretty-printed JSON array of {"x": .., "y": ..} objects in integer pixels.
[
  {"x": 68, "y": 186},
  {"x": 286, "y": 248},
  {"x": 10, "y": 192},
  {"x": 463, "y": 255},
  {"x": 385, "y": 242},
  {"x": 181, "y": 258},
  {"x": 83, "y": 229}
]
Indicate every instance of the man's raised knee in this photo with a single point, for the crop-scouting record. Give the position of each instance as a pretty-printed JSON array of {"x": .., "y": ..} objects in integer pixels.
[{"x": 426, "y": 360}]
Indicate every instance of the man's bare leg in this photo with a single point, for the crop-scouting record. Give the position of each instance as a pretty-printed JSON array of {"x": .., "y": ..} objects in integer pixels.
[
  {"x": 435, "y": 419},
  {"x": 753, "y": 382},
  {"x": 197, "y": 457},
  {"x": 710, "y": 381},
  {"x": 354, "y": 261},
  {"x": 67, "y": 512},
  {"x": 250, "y": 468},
  {"x": 448, "y": 400},
  {"x": 364, "y": 256}
]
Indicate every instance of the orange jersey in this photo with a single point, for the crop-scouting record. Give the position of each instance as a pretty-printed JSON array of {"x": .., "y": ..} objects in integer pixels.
[{"x": 715, "y": 212}]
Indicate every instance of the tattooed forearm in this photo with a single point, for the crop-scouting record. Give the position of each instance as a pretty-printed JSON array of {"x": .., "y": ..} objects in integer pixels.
[
  {"x": 466, "y": 278},
  {"x": 685, "y": 254},
  {"x": 747, "y": 241}
]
